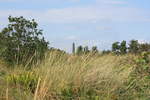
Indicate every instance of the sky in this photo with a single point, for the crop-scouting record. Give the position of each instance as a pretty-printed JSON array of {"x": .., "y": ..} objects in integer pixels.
[{"x": 85, "y": 22}]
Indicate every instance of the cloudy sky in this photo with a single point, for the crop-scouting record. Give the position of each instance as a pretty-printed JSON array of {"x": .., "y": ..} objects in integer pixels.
[{"x": 85, "y": 22}]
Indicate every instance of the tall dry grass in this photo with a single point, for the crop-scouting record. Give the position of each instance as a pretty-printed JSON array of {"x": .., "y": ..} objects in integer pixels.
[
  {"x": 101, "y": 75},
  {"x": 68, "y": 77}
]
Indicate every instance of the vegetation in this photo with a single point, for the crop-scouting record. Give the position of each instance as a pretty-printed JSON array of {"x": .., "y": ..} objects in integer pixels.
[
  {"x": 79, "y": 50},
  {"x": 94, "y": 49},
  {"x": 21, "y": 42},
  {"x": 133, "y": 46},
  {"x": 118, "y": 48},
  {"x": 65, "y": 77},
  {"x": 73, "y": 48},
  {"x": 86, "y": 50},
  {"x": 115, "y": 47},
  {"x": 122, "y": 73},
  {"x": 123, "y": 47}
]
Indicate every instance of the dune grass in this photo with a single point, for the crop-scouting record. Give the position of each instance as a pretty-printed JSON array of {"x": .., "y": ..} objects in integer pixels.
[{"x": 67, "y": 77}]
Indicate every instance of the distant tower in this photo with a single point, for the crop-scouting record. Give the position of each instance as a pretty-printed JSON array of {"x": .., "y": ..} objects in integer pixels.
[{"x": 73, "y": 48}]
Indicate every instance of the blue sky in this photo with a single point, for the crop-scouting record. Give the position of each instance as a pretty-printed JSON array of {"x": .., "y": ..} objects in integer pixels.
[{"x": 85, "y": 22}]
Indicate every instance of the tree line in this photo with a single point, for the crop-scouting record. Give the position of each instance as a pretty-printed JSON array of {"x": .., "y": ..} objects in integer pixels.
[
  {"x": 83, "y": 50},
  {"x": 118, "y": 48},
  {"x": 134, "y": 47}
]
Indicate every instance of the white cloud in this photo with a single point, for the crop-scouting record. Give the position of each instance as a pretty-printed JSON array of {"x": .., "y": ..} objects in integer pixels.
[
  {"x": 39, "y": 0},
  {"x": 90, "y": 14},
  {"x": 75, "y": 0},
  {"x": 73, "y": 15},
  {"x": 98, "y": 1},
  {"x": 111, "y": 2},
  {"x": 72, "y": 37},
  {"x": 65, "y": 15},
  {"x": 103, "y": 28},
  {"x": 141, "y": 41},
  {"x": 7, "y": 0}
]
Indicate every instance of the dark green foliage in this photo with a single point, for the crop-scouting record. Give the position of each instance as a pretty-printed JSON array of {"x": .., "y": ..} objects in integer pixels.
[
  {"x": 86, "y": 50},
  {"x": 116, "y": 47},
  {"x": 94, "y": 49},
  {"x": 106, "y": 52},
  {"x": 143, "y": 58},
  {"x": 123, "y": 47},
  {"x": 73, "y": 48},
  {"x": 69, "y": 94},
  {"x": 145, "y": 47},
  {"x": 79, "y": 93},
  {"x": 79, "y": 50},
  {"x": 22, "y": 41},
  {"x": 2, "y": 73},
  {"x": 133, "y": 46},
  {"x": 59, "y": 51},
  {"x": 138, "y": 84}
]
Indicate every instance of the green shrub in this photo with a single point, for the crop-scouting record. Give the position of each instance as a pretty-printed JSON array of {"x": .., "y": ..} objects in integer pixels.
[
  {"x": 21, "y": 42},
  {"x": 2, "y": 73},
  {"x": 26, "y": 80},
  {"x": 79, "y": 93}
]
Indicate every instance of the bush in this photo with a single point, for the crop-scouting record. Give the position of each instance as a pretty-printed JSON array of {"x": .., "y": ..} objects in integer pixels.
[
  {"x": 26, "y": 81},
  {"x": 133, "y": 47},
  {"x": 21, "y": 42},
  {"x": 78, "y": 93}
]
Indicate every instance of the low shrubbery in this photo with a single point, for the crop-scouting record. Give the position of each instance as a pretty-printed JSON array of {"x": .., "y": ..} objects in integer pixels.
[{"x": 27, "y": 81}]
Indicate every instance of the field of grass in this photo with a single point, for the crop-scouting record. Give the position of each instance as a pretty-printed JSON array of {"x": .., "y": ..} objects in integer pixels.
[{"x": 68, "y": 77}]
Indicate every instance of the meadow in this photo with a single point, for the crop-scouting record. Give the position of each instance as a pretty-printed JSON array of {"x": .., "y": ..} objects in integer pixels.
[
  {"x": 30, "y": 69},
  {"x": 64, "y": 76}
]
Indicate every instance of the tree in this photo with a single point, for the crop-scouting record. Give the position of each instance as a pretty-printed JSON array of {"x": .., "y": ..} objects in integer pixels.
[
  {"x": 116, "y": 47},
  {"x": 73, "y": 48},
  {"x": 106, "y": 52},
  {"x": 144, "y": 47},
  {"x": 94, "y": 49},
  {"x": 23, "y": 41},
  {"x": 123, "y": 47},
  {"x": 79, "y": 50},
  {"x": 133, "y": 46},
  {"x": 86, "y": 49}
]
